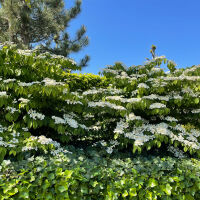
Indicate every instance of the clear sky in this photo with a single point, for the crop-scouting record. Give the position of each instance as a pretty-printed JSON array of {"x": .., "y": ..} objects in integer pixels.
[{"x": 124, "y": 30}]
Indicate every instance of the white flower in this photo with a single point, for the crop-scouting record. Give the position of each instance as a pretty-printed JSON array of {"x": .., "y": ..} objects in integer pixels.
[
  {"x": 143, "y": 85},
  {"x": 6, "y": 162},
  {"x": 109, "y": 150},
  {"x": 49, "y": 82},
  {"x": 27, "y": 84},
  {"x": 31, "y": 159},
  {"x": 12, "y": 110},
  {"x": 34, "y": 115},
  {"x": 132, "y": 116},
  {"x": 9, "y": 80},
  {"x": 138, "y": 143},
  {"x": 73, "y": 102},
  {"x": 25, "y": 129},
  {"x": 25, "y": 101},
  {"x": 103, "y": 143},
  {"x": 157, "y": 105},
  {"x": 58, "y": 120},
  {"x": 121, "y": 125},
  {"x": 171, "y": 119},
  {"x": 3, "y": 93},
  {"x": 196, "y": 111},
  {"x": 103, "y": 104},
  {"x": 28, "y": 148}
]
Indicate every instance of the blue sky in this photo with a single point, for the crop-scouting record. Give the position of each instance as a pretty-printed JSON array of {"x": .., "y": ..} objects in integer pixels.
[{"x": 124, "y": 30}]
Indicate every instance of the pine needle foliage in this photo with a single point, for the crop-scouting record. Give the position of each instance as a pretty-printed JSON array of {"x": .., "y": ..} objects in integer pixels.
[{"x": 42, "y": 24}]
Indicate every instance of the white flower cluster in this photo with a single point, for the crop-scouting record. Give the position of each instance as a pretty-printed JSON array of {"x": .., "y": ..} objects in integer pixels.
[
  {"x": 116, "y": 98},
  {"x": 34, "y": 115},
  {"x": 6, "y": 162},
  {"x": 58, "y": 120},
  {"x": 23, "y": 84},
  {"x": 73, "y": 102},
  {"x": 15, "y": 134},
  {"x": 177, "y": 97},
  {"x": 189, "y": 91},
  {"x": 104, "y": 104},
  {"x": 68, "y": 119},
  {"x": 102, "y": 91},
  {"x": 3, "y": 143},
  {"x": 121, "y": 126},
  {"x": 109, "y": 146},
  {"x": 11, "y": 109},
  {"x": 123, "y": 100},
  {"x": 143, "y": 85},
  {"x": 155, "y": 70},
  {"x": 94, "y": 91},
  {"x": 28, "y": 148},
  {"x": 196, "y": 111},
  {"x": 25, "y": 101},
  {"x": 25, "y": 129},
  {"x": 181, "y": 78},
  {"x": 2, "y": 129},
  {"x": 24, "y": 52},
  {"x": 154, "y": 96},
  {"x": 9, "y": 80},
  {"x": 50, "y": 82},
  {"x": 171, "y": 119},
  {"x": 14, "y": 140},
  {"x": 157, "y": 105},
  {"x": 94, "y": 128},
  {"x": 187, "y": 139},
  {"x": 116, "y": 72},
  {"x": 57, "y": 151},
  {"x": 138, "y": 135},
  {"x": 132, "y": 116},
  {"x": 44, "y": 140},
  {"x": 3, "y": 93},
  {"x": 192, "y": 69},
  {"x": 155, "y": 59},
  {"x": 71, "y": 122}
]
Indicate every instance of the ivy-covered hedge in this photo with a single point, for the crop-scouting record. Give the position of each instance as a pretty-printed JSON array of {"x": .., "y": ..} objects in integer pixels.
[
  {"x": 49, "y": 114},
  {"x": 87, "y": 175}
]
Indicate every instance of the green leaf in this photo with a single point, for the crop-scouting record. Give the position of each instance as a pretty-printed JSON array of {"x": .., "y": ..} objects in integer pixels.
[
  {"x": 13, "y": 191},
  {"x": 168, "y": 189},
  {"x": 185, "y": 149},
  {"x": 51, "y": 176},
  {"x": 152, "y": 183},
  {"x": 24, "y": 195},
  {"x": 159, "y": 144},
  {"x": 12, "y": 152},
  {"x": 62, "y": 188},
  {"x": 84, "y": 189},
  {"x": 196, "y": 100},
  {"x": 125, "y": 193},
  {"x": 68, "y": 173},
  {"x": 133, "y": 192}
]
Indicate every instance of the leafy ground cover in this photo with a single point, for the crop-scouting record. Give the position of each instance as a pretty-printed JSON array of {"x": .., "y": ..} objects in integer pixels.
[{"x": 129, "y": 133}]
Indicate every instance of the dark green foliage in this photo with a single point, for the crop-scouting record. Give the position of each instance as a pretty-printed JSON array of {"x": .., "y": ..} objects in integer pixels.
[{"x": 27, "y": 23}]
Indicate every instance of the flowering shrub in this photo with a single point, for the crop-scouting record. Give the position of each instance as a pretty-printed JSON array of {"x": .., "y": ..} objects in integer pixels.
[{"x": 45, "y": 109}]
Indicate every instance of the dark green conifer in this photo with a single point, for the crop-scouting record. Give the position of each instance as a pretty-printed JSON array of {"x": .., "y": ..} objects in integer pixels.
[{"x": 41, "y": 24}]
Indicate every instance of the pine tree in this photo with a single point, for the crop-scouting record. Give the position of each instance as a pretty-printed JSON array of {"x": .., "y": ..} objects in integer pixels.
[{"x": 41, "y": 24}]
